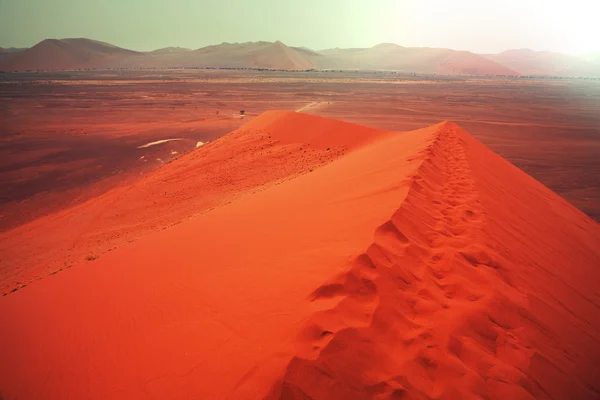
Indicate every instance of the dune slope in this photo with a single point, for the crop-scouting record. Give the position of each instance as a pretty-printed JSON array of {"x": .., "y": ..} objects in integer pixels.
[
  {"x": 475, "y": 289},
  {"x": 231, "y": 55},
  {"x": 54, "y": 54},
  {"x": 389, "y": 56},
  {"x": 277, "y": 146},
  {"x": 416, "y": 265},
  {"x": 251, "y": 55},
  {"x": 531, "y": 62}
]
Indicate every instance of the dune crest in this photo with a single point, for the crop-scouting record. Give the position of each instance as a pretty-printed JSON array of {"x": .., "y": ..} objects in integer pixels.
[
  {"x": 436, "y": 308},
  {"x": 411, "y": 265},
  {"x": 276, "y": 146}
]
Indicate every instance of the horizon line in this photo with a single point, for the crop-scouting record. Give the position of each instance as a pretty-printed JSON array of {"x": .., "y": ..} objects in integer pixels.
[{"x": 306, "y": 47}]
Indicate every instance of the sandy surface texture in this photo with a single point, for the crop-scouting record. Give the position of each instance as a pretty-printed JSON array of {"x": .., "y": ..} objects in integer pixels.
[
  {"x": 74, "y": 145},
  {"x": 313, "y": 259},
  {"x": 62, "y": 132}
]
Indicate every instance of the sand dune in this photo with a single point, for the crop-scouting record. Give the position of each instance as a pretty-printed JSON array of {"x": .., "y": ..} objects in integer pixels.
[
  {"x": 64, "y": 54},
  {"x": 170, "y": 50},
  {"x": 407, "y": 265},
  {"x": 229, "y": 55},
  {"x": 53, "y": 54},
  {"x": 246, "y": 160},
  {"x": 250, "y": 55},
  {"x": 529, "y": 62},
  {"x": 83, "y": 53},
  {"x": 389, "y": 56}
]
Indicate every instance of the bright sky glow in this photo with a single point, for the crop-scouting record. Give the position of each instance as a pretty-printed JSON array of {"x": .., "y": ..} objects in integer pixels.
[{"x": 475, "y": 25}]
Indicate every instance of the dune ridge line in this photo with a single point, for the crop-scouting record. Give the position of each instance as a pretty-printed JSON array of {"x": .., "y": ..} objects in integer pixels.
[{"x": 368, "y": 264}]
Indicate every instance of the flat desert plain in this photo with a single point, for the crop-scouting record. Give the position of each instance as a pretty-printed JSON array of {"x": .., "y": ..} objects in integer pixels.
[{"x": 319, "y": 235}]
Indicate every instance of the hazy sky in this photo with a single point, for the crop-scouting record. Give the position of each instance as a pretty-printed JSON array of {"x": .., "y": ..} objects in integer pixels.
[{"x": 477, "y": 25}]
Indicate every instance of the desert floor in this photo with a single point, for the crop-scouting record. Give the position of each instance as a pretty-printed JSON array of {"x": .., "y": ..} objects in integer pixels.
[
  {"x": 69, "y": 136},
  {"x": 156, "y": 243}
]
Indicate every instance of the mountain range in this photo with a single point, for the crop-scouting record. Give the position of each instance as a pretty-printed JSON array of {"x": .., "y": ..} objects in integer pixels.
[
  {"x": 72, "y": 54},
  {"x": 531, "y": 62}
]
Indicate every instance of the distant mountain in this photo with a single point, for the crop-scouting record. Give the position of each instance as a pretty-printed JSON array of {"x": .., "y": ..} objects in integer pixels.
[
  {"x": 6, "y": 53},
  {"x": 530, "y": 62},
  {"x": 11, "y": 50},
  {"x": 170, "y": 50},
  {"x": 66, "y": 54},
  {"x": 54, "y": 54},
  {"x": 228, "y": 55},
  {"x": 304, "y": 48},
  {"x": 315, "y": 56},
  {"x": 389, "y": 56},
  {"x": 161, "y": 58},
  {"x": 253, "y": 55}
]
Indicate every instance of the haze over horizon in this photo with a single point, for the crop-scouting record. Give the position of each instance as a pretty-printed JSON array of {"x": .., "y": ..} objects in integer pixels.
[{"x": 461, "y": 25}]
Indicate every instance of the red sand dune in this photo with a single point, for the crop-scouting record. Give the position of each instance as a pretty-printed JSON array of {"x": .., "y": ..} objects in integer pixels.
[
  {"x": 530, "y": 62},
  {"x": 249, "y": 55},
  {"x": 421, "y": 60},
  {"x": 248, "y": 159},
  {"x": 170, "y": 50},
  {"x": 84, "y": 53},
  {"x": 410, "y": 265},
  {"x": 54, "y": 54}
]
